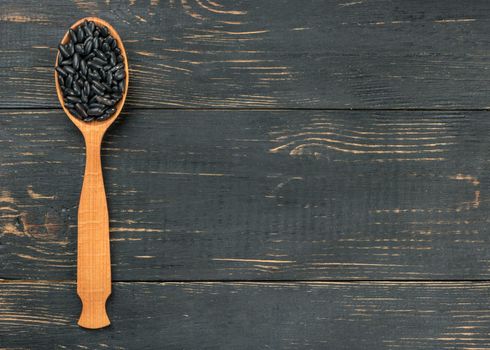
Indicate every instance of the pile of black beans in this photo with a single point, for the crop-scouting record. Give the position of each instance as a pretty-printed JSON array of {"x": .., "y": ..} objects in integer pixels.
[{"x": 91, "y": 72}]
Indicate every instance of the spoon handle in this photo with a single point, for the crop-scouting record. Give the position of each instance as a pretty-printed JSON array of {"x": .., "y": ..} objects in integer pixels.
[{"x": 94, "y": 260}]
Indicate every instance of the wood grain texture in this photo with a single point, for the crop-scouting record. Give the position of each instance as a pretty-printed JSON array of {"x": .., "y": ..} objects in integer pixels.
[
  {"x": 241, "y": 54},
  {"x": 224, "y": 195},
  {"x": 343, "y": 316}
]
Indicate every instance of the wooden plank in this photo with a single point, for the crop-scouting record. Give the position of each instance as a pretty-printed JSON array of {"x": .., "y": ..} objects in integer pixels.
[
  {"x": 254, "y": 195},
  {"x": 316, "y": 53},
  {"x": 368, "y": 316}
]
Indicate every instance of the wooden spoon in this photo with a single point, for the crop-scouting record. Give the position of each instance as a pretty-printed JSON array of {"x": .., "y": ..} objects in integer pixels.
[{"x": 94, "y": 261}]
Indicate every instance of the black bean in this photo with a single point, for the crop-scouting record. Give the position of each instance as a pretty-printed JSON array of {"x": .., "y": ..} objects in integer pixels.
[
  {"x": 69, "y": 105},
  {"x": 77, "y": 89},
  {"x": 69, "y": 92},
  {"x": 69, "y": 81},
  {"x": 121, "y": 86},
  {"x": 112, "y": 58},
  {"x": 71, "y": 48},
  {"x": 104, "y": 31},
  {"x": 73, "y": 36},
  {"x": 97, "y": 90},
  {"x": 106, "y": 47},
  {"x": 76, "y": 61},
  {"x": 96, "y": 43},
  {"x": 61, "y": 71},
  {"x": 98, "y": 85},
  {"x": 83, "y": 67},
  {"x": 73, "y": 99},
  {"x": 87, "y": 47},
  {"x": 100, "y": 61},
  {"x": 66, "y": 63},
  {"x": 91, "y": 26},
  {"x": 119, "y": 75},
  {"x": 64, "y": 51},
  {"x": 75, "y": 113},
  {"x": 96, "y": 33},
  {"x": 84, "y": 97},
  {"x": 80, "y": 34},
  {"x": 79, "y": 48},
  {"x": 117, "y": 51},
  {"x": 108, "y": 78},
  {"x": 81, "y": 110},
  {"x": 88, "y": 31},
  {"x": 69, "y": 70},
  {"x": 116, "y": 96},
  {"x": 99, "y": 54},
  {"x": 105, "y": 101},
  {"x": 107, "y": 67},
  {"x": 120, "y": 59},
  {"x": 107, "y": 87},
  {"x": 96, "y": 105},
  {"x": 90, "y": 56},
  {"x": 61, "y": 81},
  {"x": 95, "y": 112},
  {"x": 117, "y": 67},
  {"x": 86, "y": 88}
]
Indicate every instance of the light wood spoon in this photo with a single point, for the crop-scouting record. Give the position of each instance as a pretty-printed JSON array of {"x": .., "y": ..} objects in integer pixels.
[{"x": 94, "y": 260}]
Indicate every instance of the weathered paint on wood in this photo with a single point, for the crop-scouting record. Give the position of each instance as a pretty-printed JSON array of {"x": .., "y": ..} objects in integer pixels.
[
  {"x": 341, "y": 316},
  {"x": 219, "y": 195},
  {"x": 316, "y": 53}
]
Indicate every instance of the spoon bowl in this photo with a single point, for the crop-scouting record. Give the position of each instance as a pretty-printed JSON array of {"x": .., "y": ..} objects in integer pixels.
[{"x": 93, "y": 249}]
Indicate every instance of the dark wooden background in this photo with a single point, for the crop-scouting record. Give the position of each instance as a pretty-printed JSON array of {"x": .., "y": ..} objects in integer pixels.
[{"x": 286, "y": 175}]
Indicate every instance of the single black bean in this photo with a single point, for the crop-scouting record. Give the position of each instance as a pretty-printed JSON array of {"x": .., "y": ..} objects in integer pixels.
[
  {"x": 69, "y": 81},
  {"x": 79, "y": 48},
  {"x": 77, "y": 89},
  {"x": 120, "y": 59},
  {"x": 95, "y": 112},
  {"x": 102, "y": 74},
  {"x": 95, "y": 65},
  {"x": 61, "y": 71},
  {"x": 61, "y": 81},
  {"x": 64, "y": 50},
  {"x": 96, "y": 33},
  {"x": 96, "y": 43},
  {"x": 76, "y": 61},
  {"x": 117, "y": 67},
  {"x": 91, "y": 25},
  {"x": 104, "y": 101},
  {"x": 73, "y": 36},
  {"x": 96, "y": 90},
  {"x": 104, "y": 31},
  {"x": 80, "y": 34},
  {"x": 87, "y": 47},
  {"x": 73, "y": 99},
  {"x": 83, "y": 67},
  {"x": 113, "y": 44},
  {"x": 108, "y": 78},
  {"x": 106, "y": 47},
  {"x": 67, "y": 62},
  {"x": 74, "y": 112},
  {"x": 100, "y": 60},
  {"x": 90, "y": 56},
  {"x": 88, "y": 31},
  {"x": 71, "y": 48},
  {"x": 86, "y": 88},
  {"x": 98, "y": 85},
  {"x": 69, "y": 105},
  {"x": 112, "y": 58},
  {"x": 119, "y": 75},
  {"x": 116, "y": 96},
  {"x": 69, "y": 70},
  {"x": 121, "y": 86},
  {"x": 89, "y": 119},
  {"x": 99, "y": 54},
  {"x": 117, "y": 51},
  {"x": 97, "y": 105},
  {"x": 69, "y": 92},
  {"x": 81, "y": 110}
]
